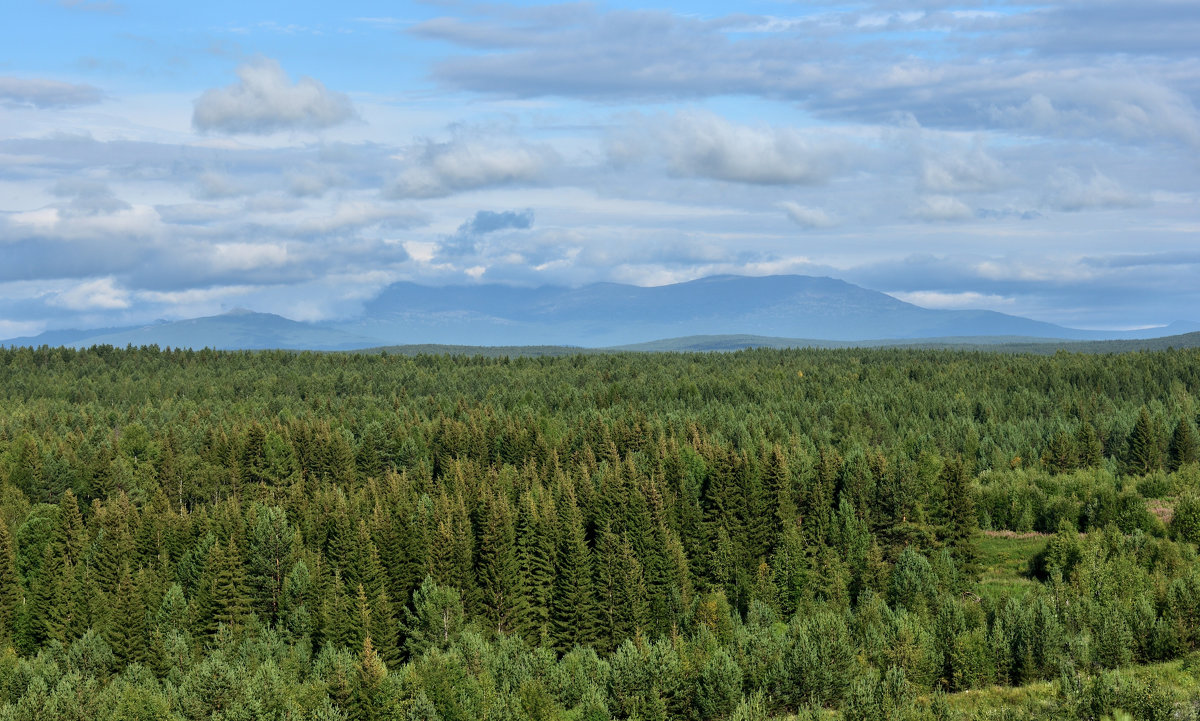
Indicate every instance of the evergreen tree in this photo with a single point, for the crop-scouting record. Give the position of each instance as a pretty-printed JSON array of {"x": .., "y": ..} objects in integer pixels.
[
  {"x": 126, "y": 632},
  {"x": 47, "y": 608},
  {"x": 573, "y": 612},
  {"x": 1185, "y": 447},
  {"x": 10, "y": 587},
  {"x": 268, "y": 559},
  {"x": 962, "y": 522},
  {"x": 501, "y": 596},
  {"x": 385, "y": 630},
  {"x": 535, "y": 560},
  {"x": 1088, "y": 445},
  {"x": 367, "y": 702},
  {"x": 1145, "y": 444},
  {"x": 1060, "y": 455},
  {"x": 225, "y": 598}
]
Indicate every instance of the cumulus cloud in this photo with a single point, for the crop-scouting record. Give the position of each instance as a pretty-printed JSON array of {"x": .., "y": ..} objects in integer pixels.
[
  {"x": 961, "y": 170},
  {"x": 806, "y": 217},
  {"x": 435, "y": 170},
  {"x": 705, "y": 145},
  {"x": 98, "y": 294},
  {"x": 264, "y": 100},
  {"x": 44, "y": 93},
  {"x": 941, "y": 208},
  {"x": 1069, "y": 192}
]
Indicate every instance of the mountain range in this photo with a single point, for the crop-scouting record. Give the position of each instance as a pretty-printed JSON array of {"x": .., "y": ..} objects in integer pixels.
[{"x": 785, "y": 309}]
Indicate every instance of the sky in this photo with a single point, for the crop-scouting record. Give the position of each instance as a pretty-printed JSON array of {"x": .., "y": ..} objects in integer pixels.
[{"x": 166, "y": 160}]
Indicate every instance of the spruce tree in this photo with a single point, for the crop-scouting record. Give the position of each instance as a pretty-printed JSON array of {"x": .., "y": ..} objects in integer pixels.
[
  {"x": 48, "y": 604},
  {"x": 497, "y": 572},
  {"x": 227, "y": 602},
  {"x": 1145, "y": 444},
  {"x": 573, "y": 608},
  {"x": 960, "y": 514},
  {"x": 1088, "y": 445},
  {"x": 1185, "y": 447},
  {"x": 268, "y": 559},
  {"x": 367, "y": 701},
  {"x": 11, "y": 594},
  {"x": 384, "y": 629},
  {"x": 535, "y": 561},
  {"x": 126, "y": 631}
]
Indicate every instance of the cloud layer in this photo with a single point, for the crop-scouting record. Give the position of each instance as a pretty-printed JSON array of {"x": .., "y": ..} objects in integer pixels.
[{"x": 1037, "y": 160}]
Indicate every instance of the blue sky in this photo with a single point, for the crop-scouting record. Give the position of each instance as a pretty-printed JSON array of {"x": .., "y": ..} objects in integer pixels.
[{"x": 169, "y": 160}]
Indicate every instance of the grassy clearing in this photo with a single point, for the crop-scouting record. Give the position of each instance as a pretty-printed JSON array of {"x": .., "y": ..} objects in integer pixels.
[{"x": 1004, "y": 560}]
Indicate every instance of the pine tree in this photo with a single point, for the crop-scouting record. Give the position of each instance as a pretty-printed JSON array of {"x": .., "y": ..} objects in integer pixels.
[
  {"x": 338, "y": 615},
  {"x": 126, "y": 631},
  {"x": 960, "y": 514},
  {"x": 497, "y": 571},
  {"x": 1145, "y": 444},
  {"x": 1060, "y": 453},
  {"x": 47, "y": 609},
  {"x": 435, "y": 619},
  {"x": 11, "y": 594},
  {"x": 1088, "y": 445},
  {"x": 535, "y": 560},
  {"x": 620, "y": 591},
  {"x": 69, "y": 533},
  {"x": 366, "y": 703},
  {"x": 1185, "y": 447},
  {"x": 225, "y": 590},
  {"x": 268, "y": 559},
  {"x": 573, "y": 609},
  {"x": 384, "y": 629}
]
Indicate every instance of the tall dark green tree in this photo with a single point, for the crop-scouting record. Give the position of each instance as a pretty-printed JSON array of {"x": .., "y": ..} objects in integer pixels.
[
  {"x": 497, "y": 568},
  {"x": 1185, "y": 447},
  {"x": 10, "y": 587},
  {"x": 962, "y": 522},
  {"x": 1146, "y": 444},
  {"x": 573, "y": 605}
]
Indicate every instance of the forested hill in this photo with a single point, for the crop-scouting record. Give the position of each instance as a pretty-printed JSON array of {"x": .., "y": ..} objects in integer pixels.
[{"x": 749, "y": 535}]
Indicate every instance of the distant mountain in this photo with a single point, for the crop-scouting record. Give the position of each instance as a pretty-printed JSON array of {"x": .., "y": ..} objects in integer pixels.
[
  {"x": 609, "y": 314},
  {"x": 237, "y": 330},
  {"x": 731, "y": 311}
]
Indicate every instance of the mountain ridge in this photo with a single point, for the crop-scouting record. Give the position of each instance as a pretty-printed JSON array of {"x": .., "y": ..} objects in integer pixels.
[{"x": 779, "y": 308}]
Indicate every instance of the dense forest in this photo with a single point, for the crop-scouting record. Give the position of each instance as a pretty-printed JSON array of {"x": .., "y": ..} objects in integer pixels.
[{"x": 753, "y": 535}]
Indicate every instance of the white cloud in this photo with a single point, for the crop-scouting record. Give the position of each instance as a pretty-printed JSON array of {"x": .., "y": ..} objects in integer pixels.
[
  {"x": 98, "y": 294},
  {"x": 807, "y": 217},
  {"x": 941, "y": 207},
  {"x": 435, "y": 170},
  {"x": 959, "y": 170},
  {"x": 954, "y": 301},
  {"x": 264, "y": 100},
  {"x": 1069, "y": 192},
  {"x": 701, "y": 144}
]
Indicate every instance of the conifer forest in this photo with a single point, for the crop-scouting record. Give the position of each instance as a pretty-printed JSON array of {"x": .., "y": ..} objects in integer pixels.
[{"x": 767, "y": 534}]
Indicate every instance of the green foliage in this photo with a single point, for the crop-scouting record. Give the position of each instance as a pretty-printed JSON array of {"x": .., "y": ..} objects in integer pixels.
[{"x": 195, "y": 535}]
